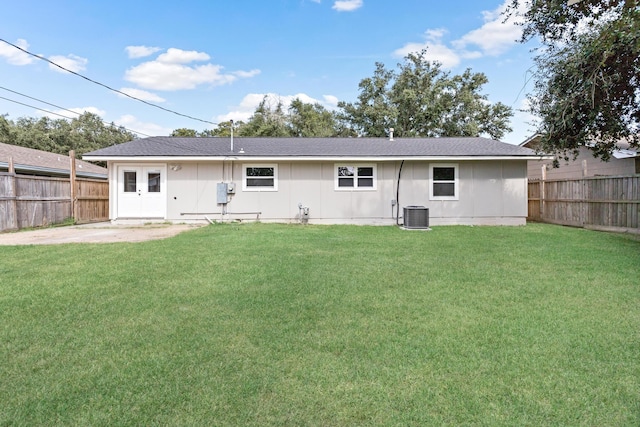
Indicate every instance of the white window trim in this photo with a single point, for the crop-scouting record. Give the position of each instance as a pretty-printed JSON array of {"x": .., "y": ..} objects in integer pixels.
[
  {"x": 262, "y": 165},
  {"x": 456, "y": 180},
  {"x": 355, "y": 181}
]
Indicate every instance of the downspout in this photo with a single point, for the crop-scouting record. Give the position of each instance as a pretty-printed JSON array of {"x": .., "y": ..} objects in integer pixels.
[{"x": 398, "y": 195}]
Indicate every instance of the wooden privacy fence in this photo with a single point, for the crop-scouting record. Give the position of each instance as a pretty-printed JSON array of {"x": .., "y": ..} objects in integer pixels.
[
  {"x": 35, "y": 201},
  {"x": 605, "y": 203}
]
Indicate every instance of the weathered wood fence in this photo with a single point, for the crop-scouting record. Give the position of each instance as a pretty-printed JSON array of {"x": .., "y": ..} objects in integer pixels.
[
  {"x": 604, "y": 203},
  {"x": 35, "y": 201}
]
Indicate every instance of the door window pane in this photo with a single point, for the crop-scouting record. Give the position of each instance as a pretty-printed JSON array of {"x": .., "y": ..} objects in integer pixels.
[
  {"x": 153, "y": 182},
  {"x": 130, "y": 182}
]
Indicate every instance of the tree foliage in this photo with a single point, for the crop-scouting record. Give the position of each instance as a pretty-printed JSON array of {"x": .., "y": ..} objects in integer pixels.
[
  {"x": 420, "y": 99},
  {"x": 267, "y": 120},
  {"x": 300, "y": 120},
  {"x": 81, "y": 134},
  {"x": 184, "y": 132},
  {"x": 310, "y": 120},
  {"x": 587, "y": 89}
]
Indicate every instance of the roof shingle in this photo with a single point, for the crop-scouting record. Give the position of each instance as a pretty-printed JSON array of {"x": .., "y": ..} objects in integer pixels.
[{"x": 312, "y": 147}]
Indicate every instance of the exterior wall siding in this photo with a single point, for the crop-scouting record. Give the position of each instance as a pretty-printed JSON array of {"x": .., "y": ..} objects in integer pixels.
[{"x": 489, "y": 192}]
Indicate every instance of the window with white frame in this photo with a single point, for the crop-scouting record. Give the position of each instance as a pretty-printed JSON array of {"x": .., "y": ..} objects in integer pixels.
[
  {"x": 444, "y": 181},
  {"x": 260, "y": 177},
  {"x": 355, "y": 177}
]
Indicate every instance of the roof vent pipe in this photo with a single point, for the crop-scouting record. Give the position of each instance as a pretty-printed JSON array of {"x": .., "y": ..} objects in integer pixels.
[
  {"x": 231, "y": 125},
  {"x": 390, "y": 134}
]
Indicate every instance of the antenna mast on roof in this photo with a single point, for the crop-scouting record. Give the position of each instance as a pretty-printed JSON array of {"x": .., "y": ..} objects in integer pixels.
[{"x": 231, "y": 124}]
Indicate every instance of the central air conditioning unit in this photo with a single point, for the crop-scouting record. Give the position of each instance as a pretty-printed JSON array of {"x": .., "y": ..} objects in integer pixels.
[{"x": 416, "y": 217}]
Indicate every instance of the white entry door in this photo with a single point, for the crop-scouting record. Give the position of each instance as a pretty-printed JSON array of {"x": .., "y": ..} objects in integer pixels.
[{"x": 141, "y": 192}]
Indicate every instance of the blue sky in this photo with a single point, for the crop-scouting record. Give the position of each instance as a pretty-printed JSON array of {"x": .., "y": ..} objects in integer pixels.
[{"x": 215, "y": 60}]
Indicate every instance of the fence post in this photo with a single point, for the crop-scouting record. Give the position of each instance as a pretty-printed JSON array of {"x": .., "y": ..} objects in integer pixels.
[
  {"x": 72, "y": 182},
  {"x": 13, "y": 205},
  {"x": 543, "y": 191}
]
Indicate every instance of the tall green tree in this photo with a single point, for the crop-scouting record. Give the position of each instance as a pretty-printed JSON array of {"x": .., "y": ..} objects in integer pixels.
[
  {"x": 310, "y": 120},
  {"x": 84, "y": 133},
  {"x": 374, "y": 112},
  {"x": 267, "y": 120},
  {"x": 587, "y": 83},
  {"x": 421, "y": 99}
]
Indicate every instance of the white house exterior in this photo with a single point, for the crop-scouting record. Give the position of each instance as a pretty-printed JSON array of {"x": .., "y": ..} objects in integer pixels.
[
  {"x": 473, "y": 181},
  {"x": 624, "y": 161}
]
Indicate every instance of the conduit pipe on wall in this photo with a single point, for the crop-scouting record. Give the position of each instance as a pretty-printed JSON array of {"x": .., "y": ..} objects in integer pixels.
[{"x": 398, "y": 195}]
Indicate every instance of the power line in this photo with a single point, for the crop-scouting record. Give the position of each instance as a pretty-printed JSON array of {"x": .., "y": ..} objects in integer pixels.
[
  {"x": 62, "y": 115},
  {"x": 107, "y": 87},
  {"x": 31, "y": 106},
  {"x": 57, "y": 106}
]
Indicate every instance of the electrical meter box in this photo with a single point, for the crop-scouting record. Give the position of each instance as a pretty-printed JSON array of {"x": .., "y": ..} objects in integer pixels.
[
  {"x": 231, "y": 188},
  {"x": 222, "y": 191}
]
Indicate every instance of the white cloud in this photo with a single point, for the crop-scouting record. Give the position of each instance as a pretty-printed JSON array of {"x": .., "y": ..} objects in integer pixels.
[
  {"x": 347, "y": 5},
  {"x": 15, "y": 56},
  {"x": 249, "y": 103},
  {"x": 331, "y": 100},
  {"x": 133, "y": 124},
  {"x": 142, "y": 94},
  {"x": 141, "y": 51},
  {"x": 179, "y": 56},
  {"x": 171, "y": 71},
  {"x": 436, "y": 49},
  {"x": 70, "y": 62},
  {"x": 493, "y": 38},
  {"x": 246, "y": 74}
]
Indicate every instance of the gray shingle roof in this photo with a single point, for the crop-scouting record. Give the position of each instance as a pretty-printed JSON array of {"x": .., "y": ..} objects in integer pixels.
[
  {"x": 46, "y": 163},
  {"x": 313, "y": 147}
]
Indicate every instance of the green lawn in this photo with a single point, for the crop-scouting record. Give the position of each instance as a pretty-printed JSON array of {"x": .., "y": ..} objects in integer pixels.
[{"x": 263, "y": 324}]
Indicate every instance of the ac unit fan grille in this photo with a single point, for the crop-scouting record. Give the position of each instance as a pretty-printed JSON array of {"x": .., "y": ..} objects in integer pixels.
[{"x": 416, "y": 217}]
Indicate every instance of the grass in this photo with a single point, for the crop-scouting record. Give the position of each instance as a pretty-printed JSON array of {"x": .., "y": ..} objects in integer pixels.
[{"x": 263, "y": 324}]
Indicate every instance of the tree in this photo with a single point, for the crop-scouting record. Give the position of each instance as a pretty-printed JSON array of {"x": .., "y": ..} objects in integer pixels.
[
  {"x": 587, "y": 83},
  {"x": 222, "y": 130},
  {"x": 310, "y": 120},
  {"x": 88, "y": 133},
  {"x": 184, "y": 132},
  {"x": 267, "y": 120},
  {"x": 420, "y": 99},
  {"x": 85, "y": 133}
]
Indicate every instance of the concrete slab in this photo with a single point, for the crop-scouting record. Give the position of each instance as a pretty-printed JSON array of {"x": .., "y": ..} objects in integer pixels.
[{"x": 104, "y": 232}]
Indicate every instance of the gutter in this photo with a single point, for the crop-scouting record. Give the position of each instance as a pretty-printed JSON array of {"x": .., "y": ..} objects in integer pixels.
[{"x": 309, "y": 158}]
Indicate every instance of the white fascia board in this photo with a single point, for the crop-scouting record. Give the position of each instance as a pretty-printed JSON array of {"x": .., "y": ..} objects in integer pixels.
[{"x": 174, "y": 159}]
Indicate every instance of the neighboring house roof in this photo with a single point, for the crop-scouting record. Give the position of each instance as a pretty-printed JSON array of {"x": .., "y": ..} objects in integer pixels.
[
  {"x": 311, "y": 149},
  {"x": 28, "y": 160},
  {"x": 623, "y": 150}
]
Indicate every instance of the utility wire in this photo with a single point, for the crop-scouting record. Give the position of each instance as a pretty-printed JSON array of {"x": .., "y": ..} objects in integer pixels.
[
  {"x": 57, "y": 106},
  {"x": 62, "y": 115},
  {"x": 107, "y": 87},
  {"x": 31, "y": 106}
]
